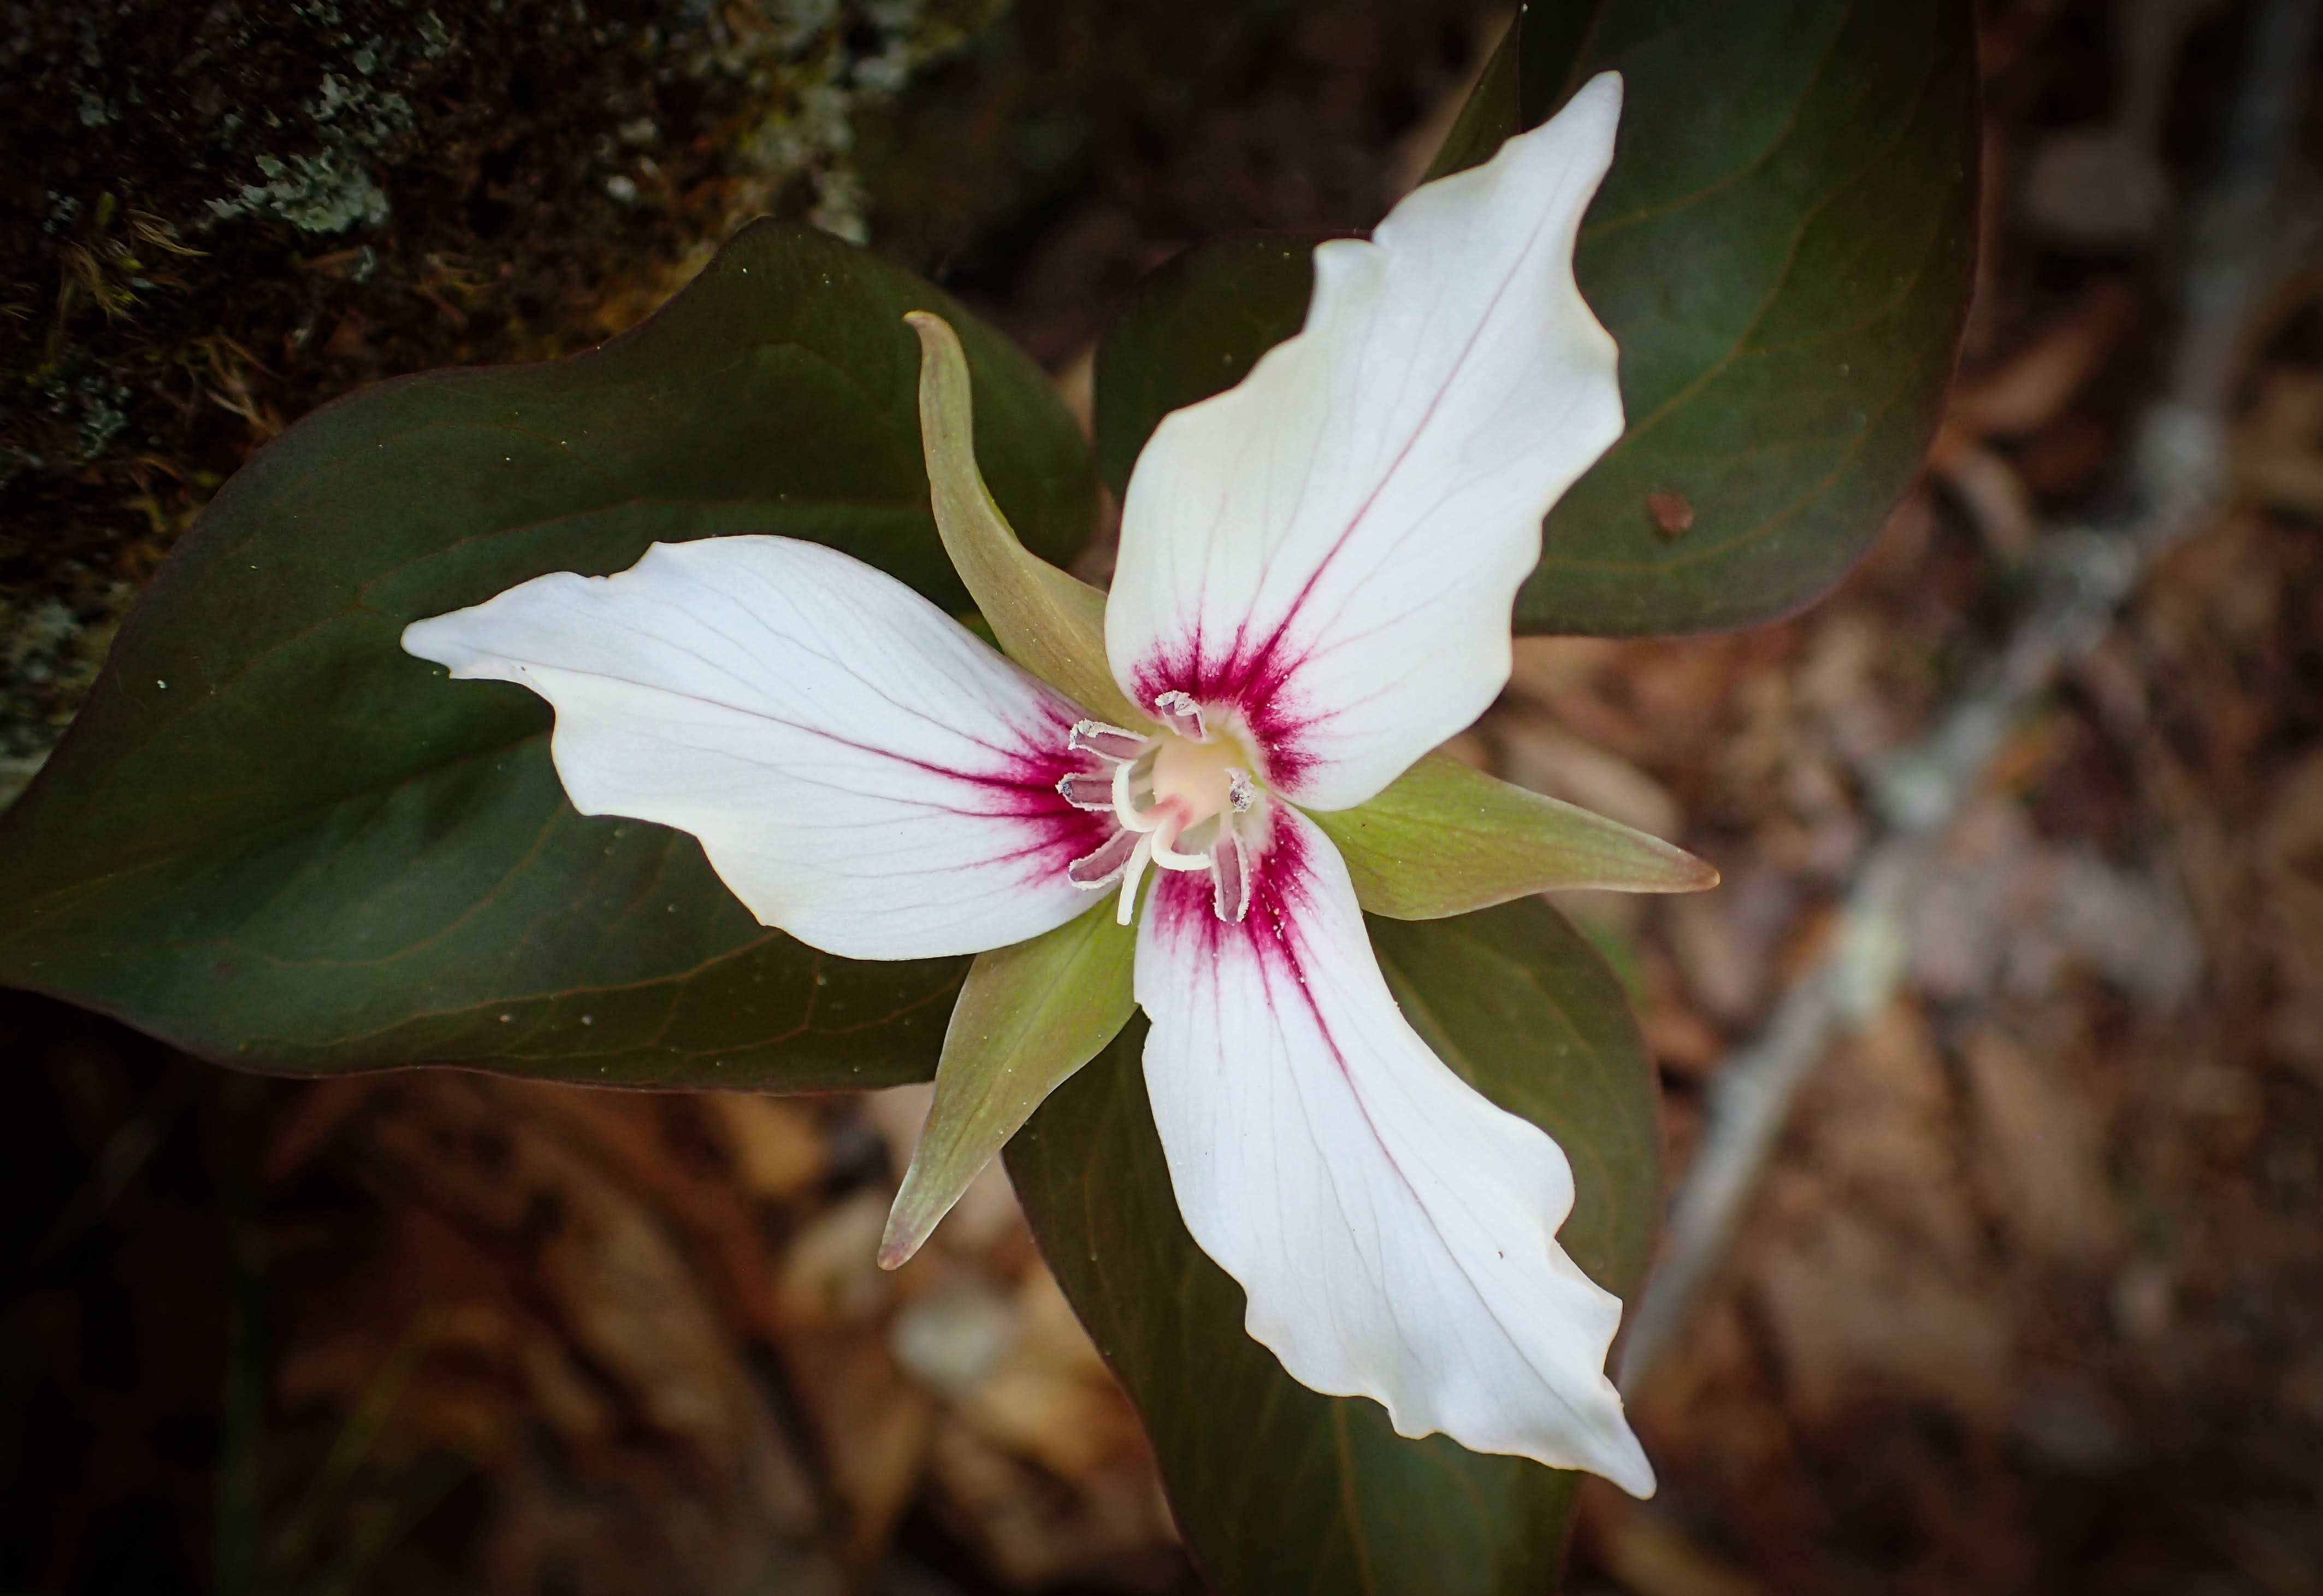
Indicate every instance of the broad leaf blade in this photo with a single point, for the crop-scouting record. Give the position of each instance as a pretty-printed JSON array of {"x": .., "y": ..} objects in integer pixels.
[
  {"x": 1192, "y": 328},
  {"x": 1489, "y": 114},
  {"x": 1783, "y": 250},
  {"x": 1280, "y": 1488},
  {"x": 275, "y": 839}
]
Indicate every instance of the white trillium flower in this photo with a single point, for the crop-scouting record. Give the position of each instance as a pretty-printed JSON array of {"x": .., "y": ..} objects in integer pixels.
[{"x": 1315, "y": 577}]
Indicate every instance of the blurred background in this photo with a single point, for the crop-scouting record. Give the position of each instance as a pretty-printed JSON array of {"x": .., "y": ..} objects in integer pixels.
[{"x": 1996, "y": 1067}]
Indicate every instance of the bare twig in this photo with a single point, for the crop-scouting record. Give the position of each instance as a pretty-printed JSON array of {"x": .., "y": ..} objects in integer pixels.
[{"x": 2080, "y": 577}]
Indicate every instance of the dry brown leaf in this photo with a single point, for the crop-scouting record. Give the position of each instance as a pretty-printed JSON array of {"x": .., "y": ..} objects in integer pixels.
[
  {"x": 2041, "y": 1163},
  {"x": 1853, "y": 1309},
  {"x": 1542, "y": 756},
  {"x": 777, "y": 1149}
]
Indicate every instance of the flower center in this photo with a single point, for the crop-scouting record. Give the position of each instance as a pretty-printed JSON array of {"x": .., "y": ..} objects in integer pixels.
[
  {"x": 1182, "y": 798},
  {"x": 1200, "y": 780}
]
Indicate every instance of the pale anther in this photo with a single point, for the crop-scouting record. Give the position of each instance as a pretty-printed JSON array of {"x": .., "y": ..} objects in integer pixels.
[
  {"x": 1230, "y": 877},
  {"x": 1096, "y": 737},
  {"x": 1088, "y": 789},
  {"x": 1180, "y": 713},
  {"x": 1099, "y": 869}
]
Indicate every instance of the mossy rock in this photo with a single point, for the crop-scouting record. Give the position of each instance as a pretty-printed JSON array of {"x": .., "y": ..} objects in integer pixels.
[{"x": 214, "y": 217}]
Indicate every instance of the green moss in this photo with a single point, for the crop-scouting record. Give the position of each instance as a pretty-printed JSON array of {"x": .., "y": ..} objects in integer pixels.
[{"x": 243, "y": 209}]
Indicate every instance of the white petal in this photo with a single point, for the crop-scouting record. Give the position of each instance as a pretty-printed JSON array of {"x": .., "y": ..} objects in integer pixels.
[
  {"x": 861, "y": 771},
  {"x": 1334, "y": 544},
  {"x": 1395, "y": 1230}
]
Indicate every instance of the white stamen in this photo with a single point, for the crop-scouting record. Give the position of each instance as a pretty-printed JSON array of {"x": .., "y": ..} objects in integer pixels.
[
  {"x": 1131, "y": 875},
  {"x": 1241, "y": 792}
]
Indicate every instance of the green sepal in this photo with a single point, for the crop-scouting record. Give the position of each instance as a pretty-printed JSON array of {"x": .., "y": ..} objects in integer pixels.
[
  {"x": 1445, "y": 838},
  {"x": 1046, "y": 620},
  {"x": 1029, "y": 1016}
]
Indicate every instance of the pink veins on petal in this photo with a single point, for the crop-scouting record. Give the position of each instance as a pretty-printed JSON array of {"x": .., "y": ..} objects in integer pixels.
[
  {"x": 1271, "y": 872},
  {"x": 1029, "y": 783}
]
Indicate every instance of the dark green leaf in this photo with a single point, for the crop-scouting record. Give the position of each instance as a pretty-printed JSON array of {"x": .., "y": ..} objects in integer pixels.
[
  {"x": 1277, "y": 1489},
  {"x": 1194, "y": 327},
  {"x": 1489, "y": 114},
  {"x": 275, "y": 839},
  {"x": 1783, "y": 250}
]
